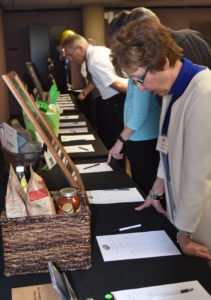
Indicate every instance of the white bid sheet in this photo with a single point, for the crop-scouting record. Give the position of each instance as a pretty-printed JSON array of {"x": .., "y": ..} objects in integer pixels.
[
  {"x": 136, "y": 245},
  {"x": 108, "y": 196}
]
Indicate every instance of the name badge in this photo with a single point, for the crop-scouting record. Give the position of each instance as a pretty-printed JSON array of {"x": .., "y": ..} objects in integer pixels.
[{"x": 162, "y": 144}]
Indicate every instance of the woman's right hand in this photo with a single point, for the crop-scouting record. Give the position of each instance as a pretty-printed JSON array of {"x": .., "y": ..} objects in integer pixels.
[
  {"x": 159, "y": 188},
  {"x": 150, "y": 202},
  {"x": 115, "y": 151}
]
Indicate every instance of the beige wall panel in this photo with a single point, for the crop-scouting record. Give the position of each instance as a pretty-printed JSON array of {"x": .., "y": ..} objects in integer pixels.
[
  {"x": 4, "y": 111},
  {"x": 93, "y": 22}
]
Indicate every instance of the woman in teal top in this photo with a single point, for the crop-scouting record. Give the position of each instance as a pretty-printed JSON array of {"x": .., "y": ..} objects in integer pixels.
[{"x": 141, "y": 126}]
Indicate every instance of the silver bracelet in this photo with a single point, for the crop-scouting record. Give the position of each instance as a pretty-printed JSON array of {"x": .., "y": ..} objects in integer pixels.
[
  {"x": 190, "y": 235},
  {"x": 155, "y": 196}
]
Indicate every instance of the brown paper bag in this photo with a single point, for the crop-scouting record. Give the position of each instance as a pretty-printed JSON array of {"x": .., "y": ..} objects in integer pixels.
[{"x": 39, "y": 201}]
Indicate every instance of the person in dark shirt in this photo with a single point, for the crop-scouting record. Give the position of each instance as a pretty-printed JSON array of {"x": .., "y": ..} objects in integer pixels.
[{"x": 195, "y": 45}]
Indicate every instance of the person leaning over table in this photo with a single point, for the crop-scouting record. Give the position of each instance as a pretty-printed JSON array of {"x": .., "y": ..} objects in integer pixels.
[
  {"x": 89, "y": 97},
  {"x": 141, "y": 110},
  {"x": 145, "y": 50},
  {"x": 195, "y": 45},
  {"x": 112, "y": 88},
  {"x": 89, "y": 93},
  {"x": 141, "y": 123}
]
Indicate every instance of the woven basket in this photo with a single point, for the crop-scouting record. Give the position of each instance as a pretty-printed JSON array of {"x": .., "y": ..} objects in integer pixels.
[
  {"x": 29, "y": 243},
  {"x": 21, "y": 159}
]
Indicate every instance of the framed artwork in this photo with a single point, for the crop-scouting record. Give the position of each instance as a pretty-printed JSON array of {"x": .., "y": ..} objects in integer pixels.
[{"x": 28, "y": 105}]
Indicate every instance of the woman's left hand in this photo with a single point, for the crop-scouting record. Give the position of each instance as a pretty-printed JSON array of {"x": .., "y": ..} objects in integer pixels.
[{"x": 189, "y": 247}]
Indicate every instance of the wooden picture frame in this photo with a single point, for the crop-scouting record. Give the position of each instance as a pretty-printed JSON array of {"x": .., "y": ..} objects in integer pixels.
[
  {"x": 25, "y": 100},
  {"x": 34, "y": 78}
]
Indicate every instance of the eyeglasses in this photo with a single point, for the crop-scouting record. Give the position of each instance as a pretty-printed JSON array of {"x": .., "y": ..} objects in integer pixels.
[{"x": 141, "y": 79}]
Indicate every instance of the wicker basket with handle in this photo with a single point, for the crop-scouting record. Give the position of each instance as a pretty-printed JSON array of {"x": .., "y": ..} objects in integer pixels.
[{"x": 30, "y": 243}]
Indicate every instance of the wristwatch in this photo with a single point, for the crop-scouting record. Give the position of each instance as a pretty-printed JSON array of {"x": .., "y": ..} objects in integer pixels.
[
  {"x": 155, "y": 196},
  {"x": 122, "y": 140}
]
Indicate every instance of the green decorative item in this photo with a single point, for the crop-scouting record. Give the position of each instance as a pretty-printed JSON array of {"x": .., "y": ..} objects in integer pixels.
[
  {"x": 53, "y": 93},
  {"x": 43, "y": 106},
  {"x": 51, "y": 117}
]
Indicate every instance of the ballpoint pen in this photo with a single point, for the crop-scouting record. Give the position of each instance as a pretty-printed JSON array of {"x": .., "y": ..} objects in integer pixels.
[
  {"x": 116, "y": 190},
  {"x": 83, "y": 148},
  {"x": 171, "y": 293},
  {"x": 92, "y": 166},
  {"x": 127, "y": 228}
]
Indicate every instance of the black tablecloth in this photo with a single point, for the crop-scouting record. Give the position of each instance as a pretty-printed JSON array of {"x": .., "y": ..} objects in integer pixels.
[{"x": 110, "y": 276}]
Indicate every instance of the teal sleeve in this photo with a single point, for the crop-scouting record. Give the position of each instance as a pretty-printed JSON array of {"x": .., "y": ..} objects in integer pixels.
[
  {"x": 138, "y": 107},
  {"x": 141, "y": 113}
]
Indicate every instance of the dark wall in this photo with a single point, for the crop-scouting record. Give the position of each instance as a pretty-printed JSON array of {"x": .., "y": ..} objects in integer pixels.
[
  {"x": 179, "y": 17},
  {"x": 16, "y": 30},
  {"x": 16, "y": 26},
  {"x": 39, "y": 49},
  {"x": 43, "y": 41}
]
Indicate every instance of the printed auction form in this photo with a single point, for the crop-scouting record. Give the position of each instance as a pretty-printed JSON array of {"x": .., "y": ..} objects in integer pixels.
[{"x": 136, "y": 245}]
